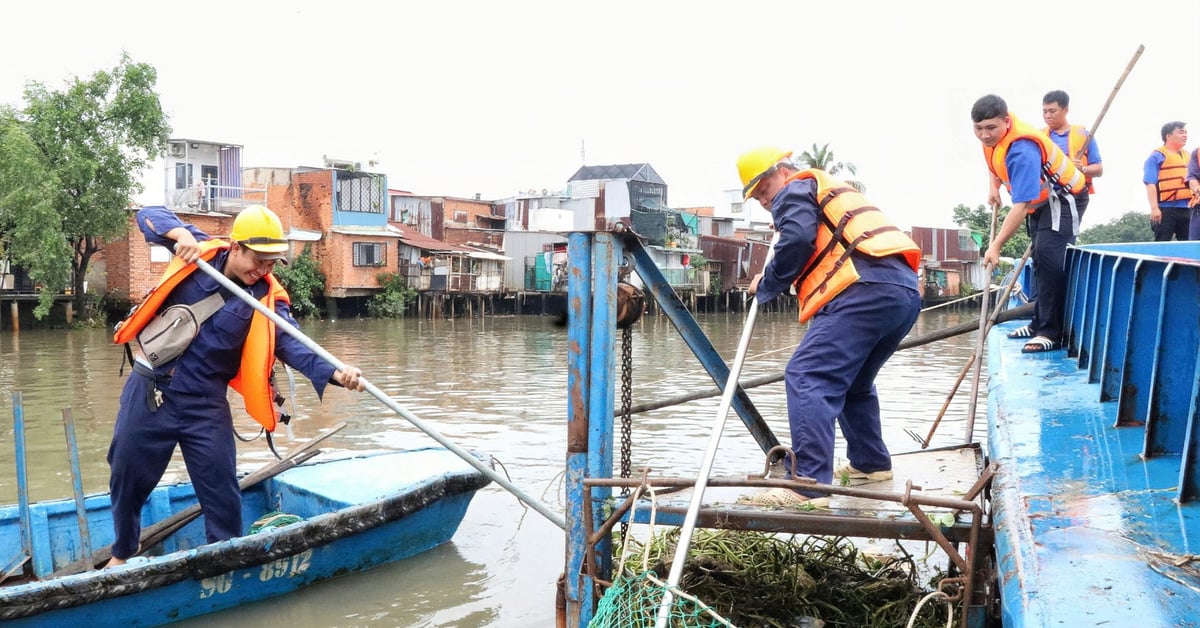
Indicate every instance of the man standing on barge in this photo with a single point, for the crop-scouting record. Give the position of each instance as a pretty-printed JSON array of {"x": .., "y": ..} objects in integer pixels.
[
  {"x": 1049, "y": 195},
  {"x": 855, "y": 275}
]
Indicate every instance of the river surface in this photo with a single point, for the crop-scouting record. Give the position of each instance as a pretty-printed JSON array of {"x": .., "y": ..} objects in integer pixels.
[{"x": 496, "y": 384}]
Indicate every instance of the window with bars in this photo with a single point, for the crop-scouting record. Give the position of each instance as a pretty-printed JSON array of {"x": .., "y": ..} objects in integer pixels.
[
  {"x": 360, "y": 193},
  {"x": 370, "y": 254}
]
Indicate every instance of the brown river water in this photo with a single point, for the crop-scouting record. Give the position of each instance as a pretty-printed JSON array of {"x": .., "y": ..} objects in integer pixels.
[{"x": 496, "y": 384}]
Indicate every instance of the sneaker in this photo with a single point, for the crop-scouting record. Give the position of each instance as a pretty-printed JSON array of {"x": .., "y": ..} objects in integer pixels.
[
  {"x": 784, "y": 497},
  {"x": 848, "y": 473}
]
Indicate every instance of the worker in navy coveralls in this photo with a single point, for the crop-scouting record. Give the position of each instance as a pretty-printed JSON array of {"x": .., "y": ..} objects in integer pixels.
[
  {"x": 183, "y": 401},
  {"x": 855, "y": 276}
]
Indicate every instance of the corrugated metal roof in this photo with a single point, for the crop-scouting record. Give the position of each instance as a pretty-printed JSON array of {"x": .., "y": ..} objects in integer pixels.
[
  {"x": 487, "y": 255},
  {"x": 303, "y": 235},
  {"x": 635, "y": 172},
  {"x": 415, "y": 238}
]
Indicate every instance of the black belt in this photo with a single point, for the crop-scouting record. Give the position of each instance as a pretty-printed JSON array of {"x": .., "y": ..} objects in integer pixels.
[{"x": 147, "y": 372}]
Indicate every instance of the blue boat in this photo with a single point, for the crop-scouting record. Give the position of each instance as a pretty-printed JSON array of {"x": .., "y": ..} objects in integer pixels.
[
  {"x": 355, "y": 513},
  {"x": 1095, "y": 496}
]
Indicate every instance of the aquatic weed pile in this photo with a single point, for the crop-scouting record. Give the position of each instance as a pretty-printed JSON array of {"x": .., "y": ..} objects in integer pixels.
[{"x": 756, "y": 580}]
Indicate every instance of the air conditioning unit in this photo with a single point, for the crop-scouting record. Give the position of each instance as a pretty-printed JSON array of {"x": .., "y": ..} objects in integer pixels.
[
  {"x": 341, "y": 164},
  {"x": 176, "y": 150}
]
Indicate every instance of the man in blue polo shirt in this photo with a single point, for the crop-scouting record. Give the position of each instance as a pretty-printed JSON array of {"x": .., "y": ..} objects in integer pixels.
[
  {"x": 1071, "y": 137},
  {"x": 1165, "y": 174}
]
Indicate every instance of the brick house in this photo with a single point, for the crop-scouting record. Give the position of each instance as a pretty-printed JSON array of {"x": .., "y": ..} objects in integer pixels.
[
  {"x": 472, "y": 222},
  {"x": 346, "y": 212}
]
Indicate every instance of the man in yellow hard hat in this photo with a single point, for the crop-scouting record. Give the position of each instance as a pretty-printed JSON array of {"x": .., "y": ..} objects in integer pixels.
[
  {"x": 855, "y": 276},
  {"x": 190, "y": 340}
]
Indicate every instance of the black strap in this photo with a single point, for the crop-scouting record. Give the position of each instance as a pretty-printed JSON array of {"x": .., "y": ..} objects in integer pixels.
[
  {"x": 271, "y": 445},
  {"x": 128, "y": 359},
  {"x": 838, "y": 236}
]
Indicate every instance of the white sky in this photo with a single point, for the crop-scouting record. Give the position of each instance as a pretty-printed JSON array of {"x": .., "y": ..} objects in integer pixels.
[{"x": 461, "y": 97}]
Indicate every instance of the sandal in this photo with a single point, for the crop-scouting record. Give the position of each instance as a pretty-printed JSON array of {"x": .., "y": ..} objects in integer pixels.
[
  {"x": 1040, "y": 344},
  {"x": 1025, "y": 331}
]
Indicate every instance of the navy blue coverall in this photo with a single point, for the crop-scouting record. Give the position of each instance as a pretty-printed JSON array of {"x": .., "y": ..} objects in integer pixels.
[
  {"x": 195, "y": 412},
  {"x": 1049, "y": 243},
  {"x": 831, "y": 376}
]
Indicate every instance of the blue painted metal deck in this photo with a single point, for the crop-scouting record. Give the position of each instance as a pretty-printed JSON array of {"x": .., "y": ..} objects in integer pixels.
[{"x": 1096, "y": 518}]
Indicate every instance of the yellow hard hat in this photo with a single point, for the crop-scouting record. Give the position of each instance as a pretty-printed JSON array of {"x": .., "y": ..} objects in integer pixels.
[
  {"x": 754, "y": 164},
  {"x": 258, "y": 228}
]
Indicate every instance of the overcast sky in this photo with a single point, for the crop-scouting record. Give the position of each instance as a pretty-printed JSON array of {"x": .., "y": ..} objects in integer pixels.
[{"x": 457, "y": 98}]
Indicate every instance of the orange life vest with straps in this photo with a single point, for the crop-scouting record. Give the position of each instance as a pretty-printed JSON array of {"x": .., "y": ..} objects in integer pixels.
[
  {"x": 1058, "y": 173},
  {"x": 1077, "y": 138},
  {"x": 253, "y": 379},
  {"x": 847, "y": 223},
  {"x": 1172, "y": 176}
]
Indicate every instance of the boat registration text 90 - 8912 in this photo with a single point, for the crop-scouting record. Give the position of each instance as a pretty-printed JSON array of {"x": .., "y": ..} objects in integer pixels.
[{"x": 286, "y": 567}]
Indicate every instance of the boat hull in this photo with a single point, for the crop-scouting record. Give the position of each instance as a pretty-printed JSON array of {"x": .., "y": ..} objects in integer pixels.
[
  {"x": 212, "y": 577},
  {"x": 1095, "y": 498}
]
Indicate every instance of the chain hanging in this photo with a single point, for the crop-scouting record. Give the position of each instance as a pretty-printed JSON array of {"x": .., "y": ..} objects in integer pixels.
[{"x": 626, "y": 415}]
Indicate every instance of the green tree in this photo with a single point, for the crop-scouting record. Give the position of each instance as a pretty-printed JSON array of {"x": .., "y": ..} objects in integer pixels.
[
  {"x": 1132, "y": 226},
  {"x": 822, "y": 158},
  {"x": 92, "y": 139},
  {"x": 304, "y": 282},
  {"x": 26, "y": 207},
  {"x": 393, "y": 300},
  {"x": 979, "y": 221}
]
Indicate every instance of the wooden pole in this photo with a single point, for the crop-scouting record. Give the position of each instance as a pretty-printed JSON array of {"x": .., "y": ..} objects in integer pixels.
[
  {"x": 24, "y": 515},
  {"x": 982, "y": 338},
  {"x": 1111, "y": 95},
  {"x": 85, "y": 537}
]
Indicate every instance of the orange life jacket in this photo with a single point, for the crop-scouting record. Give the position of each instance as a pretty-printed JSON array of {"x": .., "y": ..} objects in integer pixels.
[
  {"x": 1077, "y": 138},
  {"x": 253, "y": 379},
  {"x": 1172, "y": 176},
  {"x": 847, "y": 223},
  {"x": 1057, "y": 171}
]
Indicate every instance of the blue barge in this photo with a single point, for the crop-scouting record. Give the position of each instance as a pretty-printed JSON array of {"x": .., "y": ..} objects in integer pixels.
[{"x": 1094, "y": 498}]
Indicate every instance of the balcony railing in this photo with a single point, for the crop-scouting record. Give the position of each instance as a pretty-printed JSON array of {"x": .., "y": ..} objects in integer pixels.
[{"x": 218, "y": 198}]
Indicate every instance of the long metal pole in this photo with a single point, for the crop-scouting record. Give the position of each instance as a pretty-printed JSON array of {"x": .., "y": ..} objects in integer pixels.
[
  {"x": 710, "y": 454},
  {"x": 225, "y": 282}
]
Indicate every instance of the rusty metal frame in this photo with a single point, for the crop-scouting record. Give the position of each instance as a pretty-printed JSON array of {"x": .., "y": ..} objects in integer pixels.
[{"x": 812, "y": 522}]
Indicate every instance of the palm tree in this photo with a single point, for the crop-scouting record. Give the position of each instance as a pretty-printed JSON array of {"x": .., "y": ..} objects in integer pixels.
[{"x": 821, "y": 158}]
